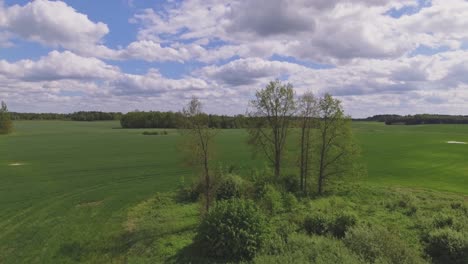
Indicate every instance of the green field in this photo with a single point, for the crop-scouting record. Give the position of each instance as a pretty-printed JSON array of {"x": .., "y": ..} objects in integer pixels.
[{"x": 75, "y": 181}]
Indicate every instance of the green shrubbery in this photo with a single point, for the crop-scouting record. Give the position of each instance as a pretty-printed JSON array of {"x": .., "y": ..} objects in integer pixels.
[
  {"x": 378, "y": 245},
  {"x": 155, "y": 133},
  {"x": 232, "y": 230},
  {"x": 306, "y": 249},
  {"x": 316, "y": 223},
  {"x": 447, "y": 246},
  {"x": 229, "y": 187},
  {"x": 320, "y": 224},
  {"x": 271, "y": 200}
]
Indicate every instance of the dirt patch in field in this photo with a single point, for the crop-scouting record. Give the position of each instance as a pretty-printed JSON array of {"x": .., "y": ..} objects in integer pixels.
[
  {"x": 90, "y": 204},
  {"x": 16, "y": 164},
  {"x": 456, "y": 142}
]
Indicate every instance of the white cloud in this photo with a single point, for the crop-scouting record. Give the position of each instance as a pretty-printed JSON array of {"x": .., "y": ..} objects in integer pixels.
[
  {"x": 52, "y": 23},
  {"x": 56, "y": 66}
]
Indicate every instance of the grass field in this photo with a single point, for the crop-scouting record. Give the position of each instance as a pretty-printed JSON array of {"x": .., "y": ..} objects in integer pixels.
[{"x": 75, "y": 181}]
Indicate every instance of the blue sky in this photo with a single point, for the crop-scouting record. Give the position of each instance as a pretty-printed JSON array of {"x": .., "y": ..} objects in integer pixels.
[{"x": 377, "y": 56}]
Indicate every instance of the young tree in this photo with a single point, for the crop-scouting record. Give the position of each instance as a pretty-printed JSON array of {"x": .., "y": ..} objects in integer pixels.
[
  {"x": 308, "y": 111},
  {"x": 335, "y": 148},
  {"x": 6, "y": 125},
  {"x": 273, "y": 109},
  {"x": 199, "y": 144}
]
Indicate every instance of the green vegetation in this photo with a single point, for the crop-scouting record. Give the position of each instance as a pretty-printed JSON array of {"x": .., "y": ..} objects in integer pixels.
[
  {"x": 81, "y": 192},
  {"x": 6, "y": 125}
]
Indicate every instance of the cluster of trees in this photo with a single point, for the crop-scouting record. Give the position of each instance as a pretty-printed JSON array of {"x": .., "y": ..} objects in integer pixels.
[
  {"x": 427, "y": 119},
  {"x": 6, "y": 125},
  {"x": 95, "y": 116},
  {"x": 326, "y": 143},
  {"x": 418, "y": 119},
  {"x": 76, "y": 116},
  {"x": 156, "y": 119}
]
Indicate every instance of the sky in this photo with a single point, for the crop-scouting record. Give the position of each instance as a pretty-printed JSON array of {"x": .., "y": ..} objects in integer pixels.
[{"x": 376, "y": 56}]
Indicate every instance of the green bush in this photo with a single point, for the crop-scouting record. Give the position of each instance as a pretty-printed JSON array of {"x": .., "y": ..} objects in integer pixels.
[
  {"x": 305, "y": 249},
  {"x": 233, "y": 230},
  {"x": 229, "y": 187},
  {"x": 271, "y": 200},
  {"x": 189, "y": 193},
  {"x": 316, "y": 223},
  {"x": 447, "y": 246},
  {"x": 290, "y": 202},
  {"x": 442, "y": 220},
  {"x": 290, "y": 183},
  {"x": 341, "y": 223},
  {"x": 153, "y": 133},
  {"x": 378, "y": 245}
]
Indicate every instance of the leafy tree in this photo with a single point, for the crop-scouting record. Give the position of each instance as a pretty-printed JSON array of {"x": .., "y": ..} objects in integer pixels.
[
  {"x": 6, "y": 125},
  {"x": 199, "y": 144},
  {"x": 308, "y": 114},
  {"x": 234, "y": 230},
  {"x": 335, "y": 148},
  {"x": 273, "y": 109}
]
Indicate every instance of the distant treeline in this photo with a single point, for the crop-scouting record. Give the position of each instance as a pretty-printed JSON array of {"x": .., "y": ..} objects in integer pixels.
[
  {"x": 418, "y": 119},
  {"x": 77, "y": 116},
  {"x": 157, "y": 119}
]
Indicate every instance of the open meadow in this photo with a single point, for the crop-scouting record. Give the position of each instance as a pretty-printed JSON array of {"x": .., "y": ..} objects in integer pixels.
[{"x": 66, "y": 185}]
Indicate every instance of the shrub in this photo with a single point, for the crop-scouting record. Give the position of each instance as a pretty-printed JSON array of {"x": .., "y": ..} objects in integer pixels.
[
  {"x": 189, "y": 193},
  {"x": 271, "y": 200},
  {"x": 447, "y": 246},
  {"x": 376, "y": 244},
  {"x": 148, "y": 133},
  {"x": 305, "y": 249},
  {"x": 165, "y": 132},
  {"x": 341, "y": 223},
  {"x": 316, "y": 224},
  {"x": 229, "y": 187},
  {"x": 233, "y": 230},
  {"x": 290, "y": 202},
  {"x": 290, "y": 183},
  {"x": 443, "y": 220}
]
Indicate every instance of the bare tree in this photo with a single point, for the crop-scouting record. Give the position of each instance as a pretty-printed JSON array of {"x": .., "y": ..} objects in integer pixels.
[
  {"x": 273, "y": 109},
  {"x": 308, "y": 111},
  {"x": 336, "y": 147},
  {"x": 199, "y": 143}
]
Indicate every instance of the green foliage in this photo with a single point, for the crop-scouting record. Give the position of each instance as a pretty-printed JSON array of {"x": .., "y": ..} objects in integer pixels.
[
  {"x": 190, "y": 193},
  {"x": 6, "y": 125},
  {"x": 290, "y": 202},
  {"x": 447, "y": 246},
  {"x": 305, "y": 249},
  {"x": 341, "y": 223},
  {"x": 442, "y": 220},
  {"x": 317, "y": 223},
  {"x": 337, "y": 224},
  {"x": 290, "y": 183},
  {"x": 229, "y": 187},
  {"x": 376, "y": 244},
  {"x": 233, "y": 230},
  {"x": 271, "y": 200},
  {"x": 155, "y": 133}
]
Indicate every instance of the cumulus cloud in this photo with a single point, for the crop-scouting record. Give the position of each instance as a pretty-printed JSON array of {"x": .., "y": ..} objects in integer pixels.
[
  {"x": 52, "y": 23},
  {"x": 384, "y": 56},
  {"x": 56, "y": 66}
]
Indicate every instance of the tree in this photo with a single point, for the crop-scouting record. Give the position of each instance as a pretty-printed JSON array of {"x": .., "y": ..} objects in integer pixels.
[
  {"x": 335, "y": 146},
  {"x": 273, "y": 109},
  {"x": 199, "y": 143},
  {"x": 6, "y": 125},
  {"x": 307, "y": 116}
]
